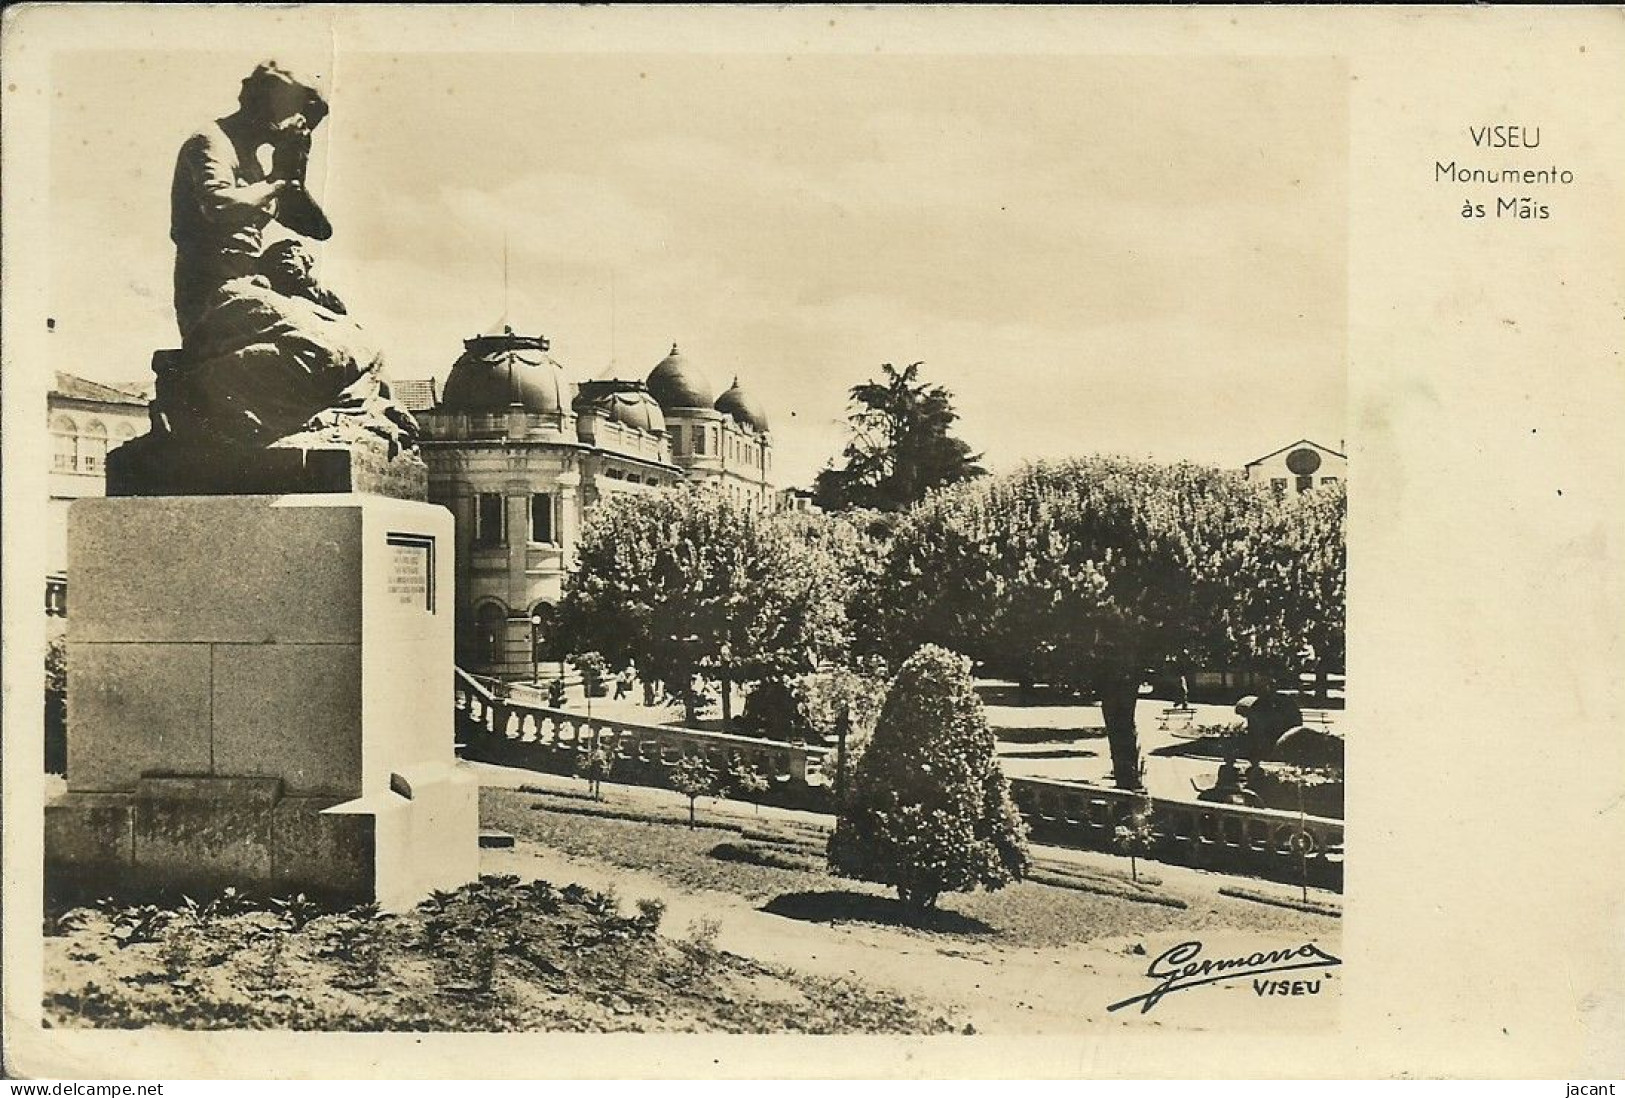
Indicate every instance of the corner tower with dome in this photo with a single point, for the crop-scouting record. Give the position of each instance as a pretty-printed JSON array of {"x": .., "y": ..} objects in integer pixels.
[
  {"x": 519, "y": 452},
  {"x": 724, "y": 438}
]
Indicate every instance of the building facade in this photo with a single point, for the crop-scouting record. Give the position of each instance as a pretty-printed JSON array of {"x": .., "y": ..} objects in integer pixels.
[
  {"x": 1299, "y": 467},
  {"x": 519, "y": 453},
  {"x": 86, "y": 420},
  {"x": 718, "y": 438}
]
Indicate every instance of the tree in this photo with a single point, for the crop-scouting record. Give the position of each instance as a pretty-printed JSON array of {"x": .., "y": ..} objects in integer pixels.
[
  {"x": 693, "y": 778},
  {"x": 1295, "y": 595},
  {"x": 901, "y": 447},
  {"x": 856, "y": 542},
  {"x": 929, "y": 810},
  {"x": 691, "y": 583},
  {"x": 1303, "y": 840},
  {"x": 594, "y": 765},
  {"x": 1136, "y": 836},
  {"x": 1090, "y": 573},
  {"x": 746, "y": 781}
]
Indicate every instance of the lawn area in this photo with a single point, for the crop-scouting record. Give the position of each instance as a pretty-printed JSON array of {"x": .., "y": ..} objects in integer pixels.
[
  {"x": 777, "y": 864},
  {"x": 733, "y": 926}
]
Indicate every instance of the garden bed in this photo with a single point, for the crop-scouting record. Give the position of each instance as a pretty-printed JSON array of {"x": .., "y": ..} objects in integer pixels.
[{"x": 496, "y": 955}]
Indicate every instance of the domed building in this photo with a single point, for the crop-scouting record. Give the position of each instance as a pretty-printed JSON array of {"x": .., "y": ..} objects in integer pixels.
[
  {"x": 714, "y": 438},
  {"x": 519, "y": 452}
]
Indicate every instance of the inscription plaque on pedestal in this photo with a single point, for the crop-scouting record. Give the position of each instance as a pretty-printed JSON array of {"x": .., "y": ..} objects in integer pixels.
[{"x": 411, "y": 570}]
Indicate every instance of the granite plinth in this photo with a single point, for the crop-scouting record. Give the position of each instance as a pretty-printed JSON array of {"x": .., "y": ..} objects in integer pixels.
[
  {"x": 162, "y": 465},
  {"x": 260, "y": 696},
  {"x": 197, "y": 836}
]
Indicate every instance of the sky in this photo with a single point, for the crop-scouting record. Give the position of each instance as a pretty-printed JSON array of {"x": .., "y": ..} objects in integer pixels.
[{"x": 1138, "y": 255}]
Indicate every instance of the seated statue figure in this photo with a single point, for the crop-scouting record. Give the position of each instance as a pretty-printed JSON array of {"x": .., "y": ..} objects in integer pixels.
[{"x": 266, "y": 351}]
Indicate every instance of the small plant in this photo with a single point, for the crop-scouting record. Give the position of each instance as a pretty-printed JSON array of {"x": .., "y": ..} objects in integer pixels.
[
  {"x": 699, "y": 948},
  {"x": 650, "y": 912},
  {"x": 555, "y": 694},
  {"x": 193, "y": 926},
  {"x": 177, "y": 953},
  {"x": 603, "y": 904},
  {"x": 231, "y": 901},
  {"x": 273, "y": 938},
  {"x": 353, "y": 941},
  {"x": 296, "y": 912},
  {"x": 693, "y": 778},
  {"x": 542, "y": 896},
  {"x": 192, "y": 912},
  {"x": 69, "y": 922},
  {"x": 139, "y": 924},
  {"x": 470, "y": 928},
  {"x": 1136, "y": 836},
  {"x": 612, "y": 926}
]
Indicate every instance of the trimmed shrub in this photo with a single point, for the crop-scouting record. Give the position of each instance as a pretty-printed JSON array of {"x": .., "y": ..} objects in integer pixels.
[{"x": 929, "y": 810}]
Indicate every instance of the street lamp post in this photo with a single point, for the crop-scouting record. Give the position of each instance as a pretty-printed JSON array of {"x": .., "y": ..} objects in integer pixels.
[{"x": 535, "y": 653}]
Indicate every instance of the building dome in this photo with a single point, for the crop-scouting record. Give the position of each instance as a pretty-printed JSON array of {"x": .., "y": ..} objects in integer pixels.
[
  {"x": 624, "y": 402},
  {"x": 744, "y": 408},
  {"x": 677, "y": 383},
  {"x": 499, "y": 371}
]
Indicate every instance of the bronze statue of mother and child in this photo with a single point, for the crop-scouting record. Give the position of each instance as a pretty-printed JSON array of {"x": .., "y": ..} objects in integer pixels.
[{"x": 269, "y": 356}]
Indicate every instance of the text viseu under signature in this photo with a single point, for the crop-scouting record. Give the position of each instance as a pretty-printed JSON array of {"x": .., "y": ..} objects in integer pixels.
[{"x": 1183, "y": 967}]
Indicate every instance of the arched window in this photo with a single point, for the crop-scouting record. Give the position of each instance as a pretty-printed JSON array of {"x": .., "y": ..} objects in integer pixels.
[
  {"x": 123, "y": 433},
  {"x": 93, "y": 448},
  {"x": 65, "y": 444},
  {"x": 490, "y": 634}
]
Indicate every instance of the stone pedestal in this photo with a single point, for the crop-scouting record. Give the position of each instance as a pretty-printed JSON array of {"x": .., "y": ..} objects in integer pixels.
[
  {"x": 260, "y": 695},
  {"x": 160, "y": 465}
]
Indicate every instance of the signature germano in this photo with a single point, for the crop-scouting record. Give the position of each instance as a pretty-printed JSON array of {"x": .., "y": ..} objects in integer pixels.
[{"x": 1183, "y": 967}]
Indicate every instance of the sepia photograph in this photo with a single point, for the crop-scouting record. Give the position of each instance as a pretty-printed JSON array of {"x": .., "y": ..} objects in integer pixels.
[
  {"x": 599, "y": 537},
  {"x": 693, "y": 543}
]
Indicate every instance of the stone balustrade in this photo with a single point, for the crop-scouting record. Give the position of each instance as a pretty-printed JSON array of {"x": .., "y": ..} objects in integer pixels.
[
  {"x": 1257, "y": 842},
  {"x": 1263, "y": 842},
  {"x": 520, "y": 732}
]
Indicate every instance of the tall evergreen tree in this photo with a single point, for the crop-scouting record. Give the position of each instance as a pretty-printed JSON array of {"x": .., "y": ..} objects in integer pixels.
[{"x": 902, "y": 445}]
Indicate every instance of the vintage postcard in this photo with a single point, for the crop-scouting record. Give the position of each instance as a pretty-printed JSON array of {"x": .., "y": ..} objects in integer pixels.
[{"x": 813, "y": 542}]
